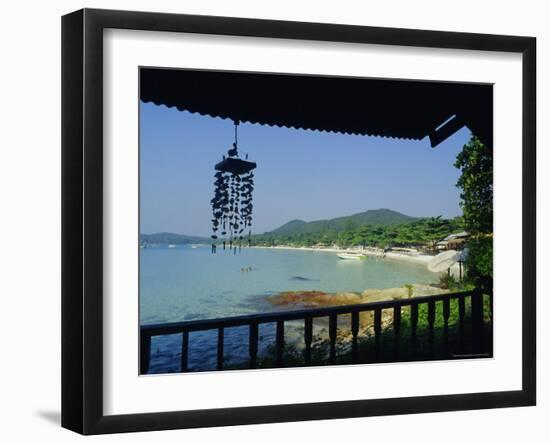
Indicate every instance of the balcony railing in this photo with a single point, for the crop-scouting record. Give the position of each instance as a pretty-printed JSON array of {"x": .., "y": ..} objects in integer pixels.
[{"x": 307, "y": 315}]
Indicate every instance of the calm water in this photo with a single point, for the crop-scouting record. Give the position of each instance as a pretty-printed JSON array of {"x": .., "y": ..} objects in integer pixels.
[{"x": 185, "y": 284}]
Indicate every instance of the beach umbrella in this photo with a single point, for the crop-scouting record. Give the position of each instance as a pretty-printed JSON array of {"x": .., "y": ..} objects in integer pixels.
[
  {"x": 442, "y": 262},
  {"x": 232, "y": 201}
]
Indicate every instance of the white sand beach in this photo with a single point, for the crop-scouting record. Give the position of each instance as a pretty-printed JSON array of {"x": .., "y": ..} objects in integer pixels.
[{"x": 373, "y": 252}]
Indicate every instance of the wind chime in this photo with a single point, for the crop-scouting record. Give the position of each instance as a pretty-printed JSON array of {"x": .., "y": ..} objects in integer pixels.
[{"x": 232, "y": 202}]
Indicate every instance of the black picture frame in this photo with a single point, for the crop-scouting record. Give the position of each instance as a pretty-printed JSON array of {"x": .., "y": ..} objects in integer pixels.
[{"x": 82, "y": 218}]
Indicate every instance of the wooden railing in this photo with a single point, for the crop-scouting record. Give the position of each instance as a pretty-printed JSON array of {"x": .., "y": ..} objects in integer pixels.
[{"x": 307, "y": 315}]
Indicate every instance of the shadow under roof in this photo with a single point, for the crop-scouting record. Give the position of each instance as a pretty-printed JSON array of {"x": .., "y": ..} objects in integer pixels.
[{"x": 404, "y": 109}]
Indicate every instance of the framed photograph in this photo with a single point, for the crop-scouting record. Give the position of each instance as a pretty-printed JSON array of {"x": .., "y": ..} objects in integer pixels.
[{"x": 269, "y": 221}]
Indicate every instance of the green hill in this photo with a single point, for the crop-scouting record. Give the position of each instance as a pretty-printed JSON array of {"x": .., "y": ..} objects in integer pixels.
[
  {"x": 380, "y": 227},
  {"x": 381, "y": 217}
]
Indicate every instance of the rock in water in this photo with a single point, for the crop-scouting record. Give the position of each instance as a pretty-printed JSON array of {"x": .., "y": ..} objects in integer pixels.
[{"x": 300, "y": 278}]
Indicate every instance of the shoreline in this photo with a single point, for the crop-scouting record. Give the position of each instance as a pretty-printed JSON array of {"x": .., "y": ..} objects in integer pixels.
[{"x": 419, "y": 258}]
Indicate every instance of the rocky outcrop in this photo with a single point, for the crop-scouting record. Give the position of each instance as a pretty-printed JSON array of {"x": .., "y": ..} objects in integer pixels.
[
  {"x": 317, "y": 299},
  {"x": 320, "y": 298}
]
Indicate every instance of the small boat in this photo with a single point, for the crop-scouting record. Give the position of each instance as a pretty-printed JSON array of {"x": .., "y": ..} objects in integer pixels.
[
  {"x": 351, "y": 256},
  {"x": 194, "y": 246},
  {"x": 171, "y": 246}
]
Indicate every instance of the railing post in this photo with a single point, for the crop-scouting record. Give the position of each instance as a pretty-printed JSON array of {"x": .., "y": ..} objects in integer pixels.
[
  {"x": 332, "y": 324},
  {"x": 219, "y": 365},
  {"x": 431, "y": 321},
  {"x": 446, "y": 315},
  {"x": 144, "y": 352},
  {"x": 461, "y": 314},
  {"x": 253, "y": 344},
  {"x": 414, "y": 324},
  {"x": 396, "y": 328},
  {"x": 308, "y": 337},
  {"x": 354, "y": 333},
  {"x": 280, "y": 341},
  {"x": 184, "y": 350},
  {"x": 377, "y": 330},
  {"x": 477, "y": 320}
]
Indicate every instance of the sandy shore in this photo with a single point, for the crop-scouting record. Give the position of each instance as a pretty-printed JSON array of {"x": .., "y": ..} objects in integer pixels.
[{"x": 418, "y": 258}]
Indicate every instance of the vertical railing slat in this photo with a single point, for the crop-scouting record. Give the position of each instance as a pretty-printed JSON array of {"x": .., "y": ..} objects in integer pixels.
[
  {"x": 308, "y": 337},
  {"x": 355, "y": 333},
  {"x": 431, "y": 322},
  {"x": 253, "y": 344},
  {"x": 377, "y": 330},
  {"x": 332, "y": 326},
  {"x": 184, "y": 350},
  {"x": 446, "y": 315},
  {"x": 461, "y": 314},
  {"x": 396, "y": 328},
  {"x": 219, "y": 365},
  {"x": 477, "y": 320},
  {"x": 280, "y": 341},
  {"x": 414, "y": 324},
  {"x": 144, "y": 353}
]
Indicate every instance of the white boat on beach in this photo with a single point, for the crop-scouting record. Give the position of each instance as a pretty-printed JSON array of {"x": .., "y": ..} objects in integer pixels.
[
  {"x": 351, "y": 256},
  {"x": 171, "y": 246}
]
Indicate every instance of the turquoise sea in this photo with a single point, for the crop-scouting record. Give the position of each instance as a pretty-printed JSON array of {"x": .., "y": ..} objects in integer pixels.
[{"x": 185, "y": 283}]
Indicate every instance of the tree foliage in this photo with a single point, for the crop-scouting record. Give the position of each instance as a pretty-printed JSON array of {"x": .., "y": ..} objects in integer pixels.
[
  {"x": 423, "y": 232},
  {"x": 480, "y": 261},
  {"x": 476, "y": 183}
]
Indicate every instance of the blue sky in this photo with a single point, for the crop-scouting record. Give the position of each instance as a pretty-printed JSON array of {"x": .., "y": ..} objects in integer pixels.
[{"x": 309, "y": 175}]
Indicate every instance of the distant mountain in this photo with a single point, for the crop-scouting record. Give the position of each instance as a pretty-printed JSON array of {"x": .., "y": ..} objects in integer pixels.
[
  {"x": 384, "y": 217},
  {"x": 168, "y": 238}
]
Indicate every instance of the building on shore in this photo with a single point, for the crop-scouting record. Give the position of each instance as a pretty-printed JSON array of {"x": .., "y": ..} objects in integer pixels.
[{"x": 453, "y": 241}]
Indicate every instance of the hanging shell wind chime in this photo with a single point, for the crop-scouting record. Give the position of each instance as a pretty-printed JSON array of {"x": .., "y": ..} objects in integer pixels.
[{"x": 232, "y": 202}]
